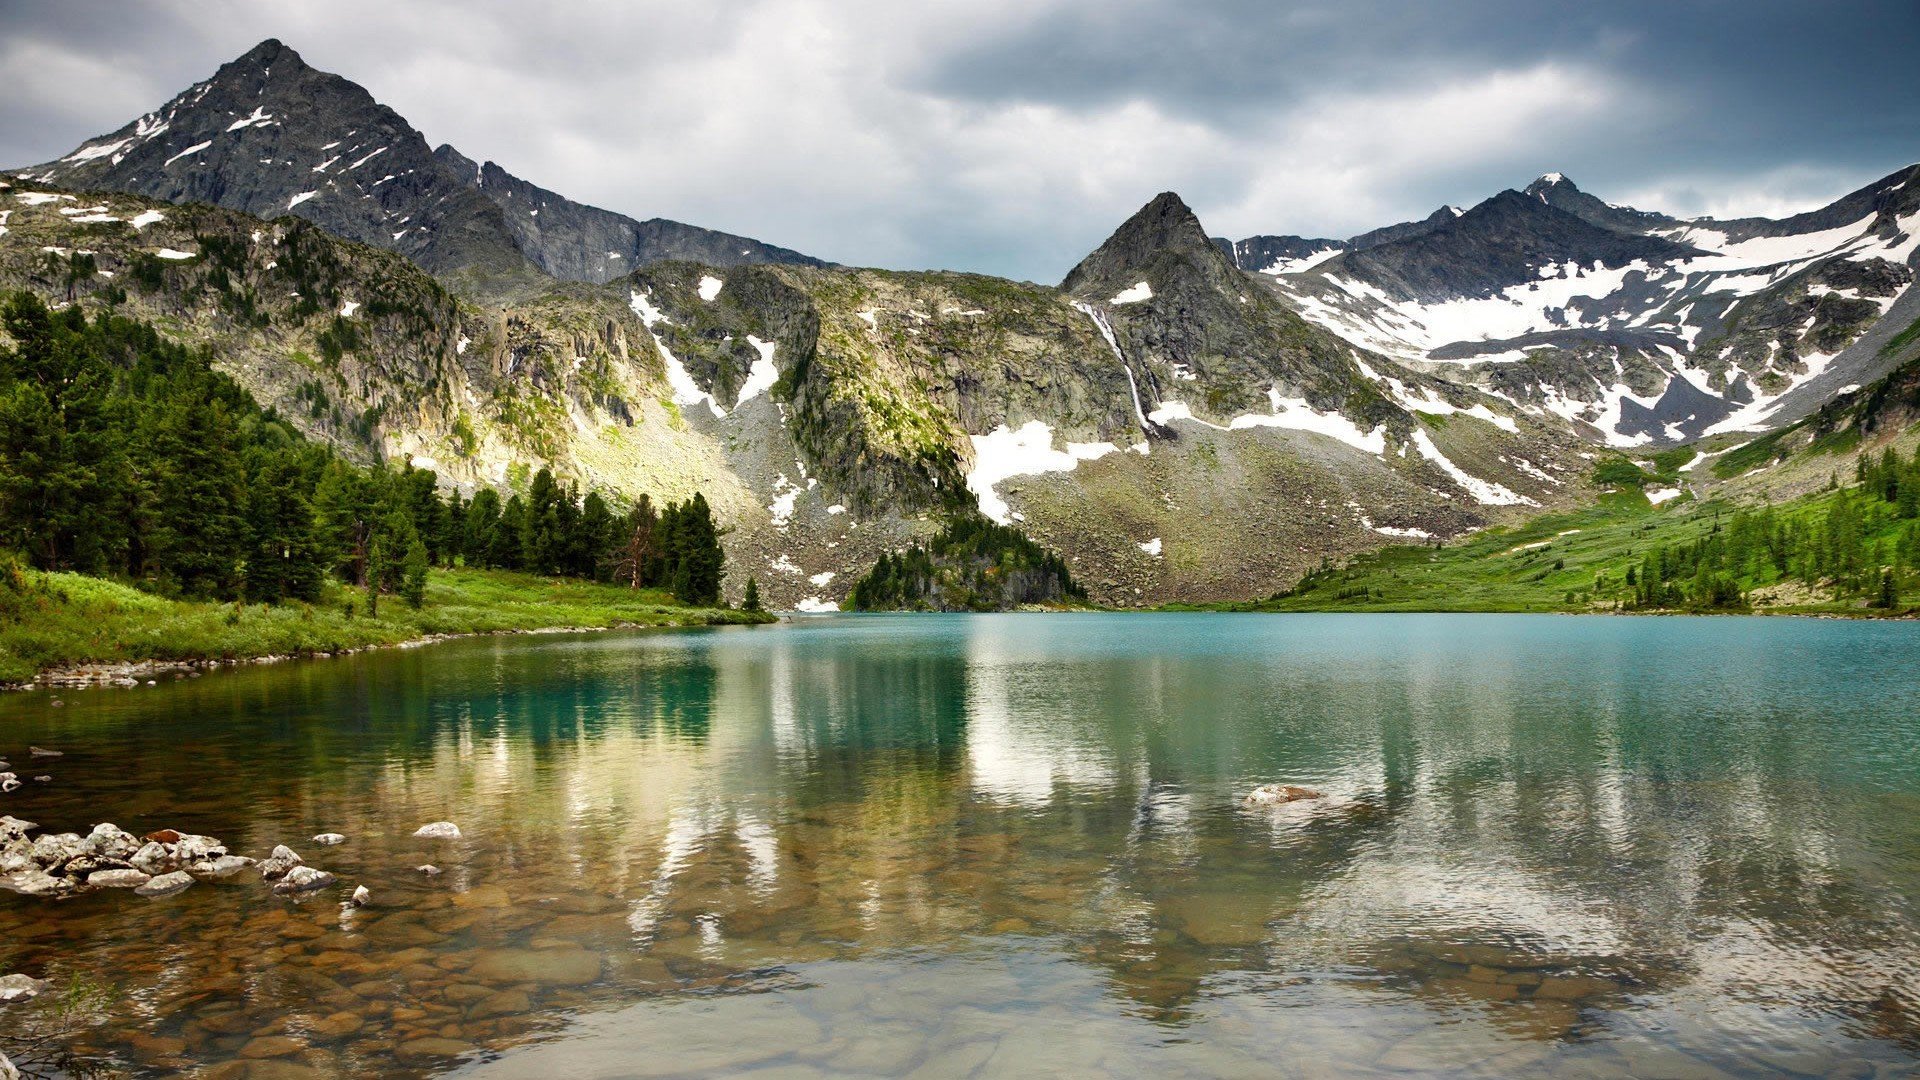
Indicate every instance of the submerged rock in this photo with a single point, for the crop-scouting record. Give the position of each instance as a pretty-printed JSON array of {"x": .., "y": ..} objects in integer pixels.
[
  {"x": 166, "y": 884},
  {"x": 546, "y": 967},
  {"x": 20, "y": 987},
  {"x": 38, "y": 752},
  {"x": 329, "y": 839},
  {"x": 428, "y": 869},
  {"x": 8, "y": 782},
  {"x": 303, "y": 879},
  {"x": 360, "y": 897},
  {"x": 1274, "y": 794},
  {"x": 439, "y": 830}
]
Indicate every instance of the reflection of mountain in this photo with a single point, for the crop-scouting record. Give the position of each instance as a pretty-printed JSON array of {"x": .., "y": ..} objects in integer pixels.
[{"x": 1529, "y": 842}]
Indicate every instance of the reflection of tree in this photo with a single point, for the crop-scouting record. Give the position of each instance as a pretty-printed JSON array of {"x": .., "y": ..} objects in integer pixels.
[{"x": 709, "y": 809}]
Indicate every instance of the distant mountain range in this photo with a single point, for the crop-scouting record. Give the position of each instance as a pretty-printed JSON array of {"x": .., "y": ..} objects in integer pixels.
[
  {"x": 1183, "y": 418},
  {"x": 270, "y": 135},
  {"x": 1644, "y": 328}
]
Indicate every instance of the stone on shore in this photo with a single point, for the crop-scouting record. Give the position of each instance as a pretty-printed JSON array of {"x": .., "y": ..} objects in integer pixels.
[
  {"x": 112, "y": 841},
  {"x": 303, "y": 879},
  {"x": 438, "y": 830},
  {"x": 7, "y": 1071},
  {"x": 166, "y": 884},
  {"x": 154, "y": 858},
  {"x": 12, "y": 828},
  {"x": 36, "y": 883},
  {"x": 58, "y": 849},
  {"x": 20, "y": 987},
  {"x": 117, "y": 879},
  {"x": 223, "y": 866},
  {"x": 279, "y": 863}
]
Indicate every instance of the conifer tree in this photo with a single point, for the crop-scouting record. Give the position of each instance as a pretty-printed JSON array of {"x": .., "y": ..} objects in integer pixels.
[{"x": 413, "y": 574}]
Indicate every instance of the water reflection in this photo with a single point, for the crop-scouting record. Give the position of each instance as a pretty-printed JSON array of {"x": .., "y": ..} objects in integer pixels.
[{"x": 1546, "y": 845}]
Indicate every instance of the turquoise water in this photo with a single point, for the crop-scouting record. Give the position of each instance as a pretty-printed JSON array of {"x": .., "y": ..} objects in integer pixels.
[{"x": 1002, "y": 845}]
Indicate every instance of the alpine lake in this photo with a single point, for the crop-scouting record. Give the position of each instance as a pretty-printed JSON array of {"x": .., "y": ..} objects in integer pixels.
[{"x": 1006, "y": 845}]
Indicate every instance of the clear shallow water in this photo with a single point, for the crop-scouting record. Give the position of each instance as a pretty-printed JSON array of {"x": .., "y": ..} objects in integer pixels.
[{"x": 1002, "y": 845}]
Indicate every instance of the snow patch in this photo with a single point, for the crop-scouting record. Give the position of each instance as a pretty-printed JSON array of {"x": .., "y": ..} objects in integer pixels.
[
  {"x": 145, "y": 218},
  {"x": 1485, "y": 492},
  {"x": 259, "y": 116},
  {"x": 679, "y": 380},
  {"x": 300, "y": 198},
  {"x": 169, "y": 253},
  {"x": 1661, "y": 495},
  {"x": 347, "y": 309},
  {"x": 762, "y": 375},
  {"x": 822, "y": 579},
  {"x": 785, "y": 492},
  {"x": 1137, "y": 292},
  {"x": 194, "y": 149},
  {"x": 1004, "y": 452},
  {"x": 1151, "y": 547},
  {"x": 1302, "y": 264},
  {"x": 814, "y": 604},
  {"x": 710, "y": 287}
]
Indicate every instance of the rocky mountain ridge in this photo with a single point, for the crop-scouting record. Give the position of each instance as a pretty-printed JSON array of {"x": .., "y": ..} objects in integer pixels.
[
  {"x": 269, "y": 135},
  {"x": 1639, "y": 328},
  {"x": 1177, "y": 438}
]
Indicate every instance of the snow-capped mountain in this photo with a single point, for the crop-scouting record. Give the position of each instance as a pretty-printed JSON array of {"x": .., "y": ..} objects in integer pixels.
[
  {"x": 268, "y": 135},
  {"x": 1645, "y": 328}
]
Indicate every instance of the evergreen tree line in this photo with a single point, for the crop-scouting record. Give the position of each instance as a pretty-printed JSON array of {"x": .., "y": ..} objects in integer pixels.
[
  {"x": 972, "y": 564},
  {"x": 1866, "y": 545},
  {"x": 124, "y": 455}
]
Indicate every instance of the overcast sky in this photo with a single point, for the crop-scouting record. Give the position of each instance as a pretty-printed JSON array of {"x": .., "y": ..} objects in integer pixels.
[{"x": 1011, "y": 136}]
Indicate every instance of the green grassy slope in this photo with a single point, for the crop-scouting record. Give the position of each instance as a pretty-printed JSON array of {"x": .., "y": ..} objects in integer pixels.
[
  {"x": 1580, "y": 562},
  {"x": 62, "y": 620}
]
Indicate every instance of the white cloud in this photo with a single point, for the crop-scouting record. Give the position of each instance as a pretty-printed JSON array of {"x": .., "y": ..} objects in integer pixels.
[
  {"x": 812, "y": 124},
  {"x": 1775, "y": 193}
]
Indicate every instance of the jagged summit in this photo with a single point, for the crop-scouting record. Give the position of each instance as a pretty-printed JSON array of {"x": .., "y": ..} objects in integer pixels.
[
  {"x": 1502, "y": 241},
  {"x": 1161, "y": 237},
  {"x": 268, "y": 134}
]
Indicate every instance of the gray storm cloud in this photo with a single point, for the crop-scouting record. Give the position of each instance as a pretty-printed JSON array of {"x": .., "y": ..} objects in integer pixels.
[{"x": 1010, "y": 137}]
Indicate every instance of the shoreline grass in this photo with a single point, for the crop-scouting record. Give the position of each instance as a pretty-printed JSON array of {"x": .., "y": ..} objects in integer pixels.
[
  {"x": 58, "y": 621},
  {"x": 1564, "y": 563}
]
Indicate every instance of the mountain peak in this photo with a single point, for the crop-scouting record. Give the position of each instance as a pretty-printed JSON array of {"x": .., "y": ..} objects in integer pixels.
[
  {"x": 267, "y": 50},
  {"x": 1166, "y": 225},
  {"x": 1554, "y": 182}
]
